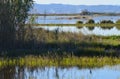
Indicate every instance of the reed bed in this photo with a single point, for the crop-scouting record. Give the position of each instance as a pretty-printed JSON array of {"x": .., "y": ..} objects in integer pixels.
[{"x": 67, "y": 61}]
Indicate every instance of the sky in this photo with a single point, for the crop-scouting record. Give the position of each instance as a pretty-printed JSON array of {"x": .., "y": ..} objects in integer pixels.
[{"x": 80, "y": 2}]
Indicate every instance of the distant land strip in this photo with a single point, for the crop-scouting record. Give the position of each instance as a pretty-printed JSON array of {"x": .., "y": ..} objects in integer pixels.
[{"x": 76, "y": 14}]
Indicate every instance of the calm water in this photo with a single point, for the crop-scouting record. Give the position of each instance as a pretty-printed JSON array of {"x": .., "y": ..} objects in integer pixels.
[
  {"x": 84, "y": 30},
  {"x": 106, "y": 72},
  {"x": 67, "y": 20}
]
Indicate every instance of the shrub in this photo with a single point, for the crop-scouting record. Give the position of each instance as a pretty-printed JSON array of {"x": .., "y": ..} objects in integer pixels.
[
  {"x": 79, "y": 22},
  {"x": 106, "y": 22},
  {"x": 90, "y": 21}
]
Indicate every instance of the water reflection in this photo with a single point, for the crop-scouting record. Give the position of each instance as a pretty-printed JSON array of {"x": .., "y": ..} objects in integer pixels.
[
  {"x": 60, "y": 73},
  {"x": 85, "y": 30},
  {"x": 7, "y": 73}
]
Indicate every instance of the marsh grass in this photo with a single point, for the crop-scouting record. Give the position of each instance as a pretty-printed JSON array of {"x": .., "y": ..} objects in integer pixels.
[
  {"x": 62, "y": 43},
  {"x": 67, "y": 61}
]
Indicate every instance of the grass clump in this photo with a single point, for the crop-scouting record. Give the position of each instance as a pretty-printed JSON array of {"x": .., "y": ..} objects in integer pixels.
[{"x": 118, "y": 21}]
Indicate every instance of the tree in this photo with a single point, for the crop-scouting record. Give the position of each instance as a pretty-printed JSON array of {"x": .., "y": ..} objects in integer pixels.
[{"x": 13, "y": 15}]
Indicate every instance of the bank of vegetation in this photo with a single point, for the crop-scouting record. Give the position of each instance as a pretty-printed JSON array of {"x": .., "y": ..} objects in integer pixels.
[{"x": 47, "y": 42}]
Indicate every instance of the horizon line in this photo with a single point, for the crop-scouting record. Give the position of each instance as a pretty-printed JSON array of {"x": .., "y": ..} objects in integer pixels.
[{"x": 77, "y": 4}]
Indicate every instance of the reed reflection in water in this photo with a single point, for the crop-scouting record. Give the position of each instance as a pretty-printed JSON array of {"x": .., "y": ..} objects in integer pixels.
[
  {"x": 60, "y": 73},
  {"x": 85, "y": 30}
]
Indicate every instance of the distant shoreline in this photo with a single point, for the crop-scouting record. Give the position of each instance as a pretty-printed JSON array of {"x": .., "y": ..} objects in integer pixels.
[{"x": 76, "y": 14}]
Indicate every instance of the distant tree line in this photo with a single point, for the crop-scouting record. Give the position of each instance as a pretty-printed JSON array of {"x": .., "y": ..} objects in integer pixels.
[{"x": 91, "y": 21}]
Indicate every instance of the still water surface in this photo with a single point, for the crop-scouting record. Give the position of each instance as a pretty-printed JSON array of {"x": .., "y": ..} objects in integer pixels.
[
  {"x": 105, "y": 72},
  {"x": 84, "y": 30},
  {"x": 67, "y": 20}
]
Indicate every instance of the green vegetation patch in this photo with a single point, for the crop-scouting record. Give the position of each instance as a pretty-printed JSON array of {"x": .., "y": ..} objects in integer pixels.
[{"x": 67, "y": 61}]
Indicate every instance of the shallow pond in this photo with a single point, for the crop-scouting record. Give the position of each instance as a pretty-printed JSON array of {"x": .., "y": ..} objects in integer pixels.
[
  {"x": 105, "y": 72},
  {"x": 71, "y": 19},
  {"x": 84, "y": 30}
]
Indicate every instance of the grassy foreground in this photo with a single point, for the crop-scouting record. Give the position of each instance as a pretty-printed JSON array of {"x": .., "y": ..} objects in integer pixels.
[{"x": 68, "y": 61}]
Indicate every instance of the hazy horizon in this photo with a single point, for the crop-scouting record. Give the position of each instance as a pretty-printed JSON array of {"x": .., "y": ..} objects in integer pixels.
[{"x": 80, "y": 2}]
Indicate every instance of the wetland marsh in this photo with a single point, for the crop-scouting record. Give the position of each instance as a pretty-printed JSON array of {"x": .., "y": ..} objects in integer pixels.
[{"x": 63, "y": 47}]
